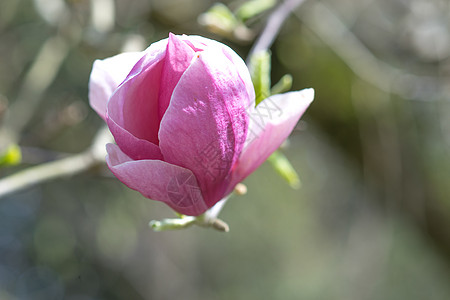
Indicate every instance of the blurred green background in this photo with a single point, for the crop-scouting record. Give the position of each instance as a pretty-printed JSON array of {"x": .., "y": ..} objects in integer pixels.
[{"x": 371, "y": 220}]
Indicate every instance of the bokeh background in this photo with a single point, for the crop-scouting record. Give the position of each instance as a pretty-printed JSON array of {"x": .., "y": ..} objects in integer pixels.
[{"x": 371, "y": 220}]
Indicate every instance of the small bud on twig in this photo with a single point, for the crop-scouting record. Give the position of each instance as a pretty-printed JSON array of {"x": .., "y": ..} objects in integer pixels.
[{"x": 240, "y": 189}]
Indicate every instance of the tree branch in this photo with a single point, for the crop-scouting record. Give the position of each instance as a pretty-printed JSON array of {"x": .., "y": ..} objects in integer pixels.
[
  {"x": 333, "y": 32},
  {"x": 273, "y": 26},
  {"x": 72, "y": 165}
]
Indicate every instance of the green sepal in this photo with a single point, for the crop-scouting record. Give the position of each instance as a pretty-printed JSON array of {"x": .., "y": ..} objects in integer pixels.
[
  {"x": 283, "y": 85},
  {"x": 284, "y": 168},
  {"x": 260, "y": 73}
]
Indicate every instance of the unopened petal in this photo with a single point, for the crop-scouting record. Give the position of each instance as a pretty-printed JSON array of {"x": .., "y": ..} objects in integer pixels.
[
  {"x": 205, "y": 126},
  {"x": 158, "y": 180}
]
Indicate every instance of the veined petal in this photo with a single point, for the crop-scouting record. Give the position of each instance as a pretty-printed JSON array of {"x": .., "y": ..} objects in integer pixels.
[
  {"x": 271, "y": 122},
  {"x": 158, "y": 180},
  {"x": 106, "y": 76},
  {"x": 205, "y": 125}
]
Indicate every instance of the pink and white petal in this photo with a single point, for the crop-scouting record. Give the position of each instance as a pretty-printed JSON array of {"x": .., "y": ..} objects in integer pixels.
[
  {"x": 177, "y": 60},
  {"x": 106, "y": 76},
  {"x": 205, "y": 125},
  {"x": 134, "y": 105},
  {"x": 271, "y": 122},
  {"x": 158, "y": 180}
]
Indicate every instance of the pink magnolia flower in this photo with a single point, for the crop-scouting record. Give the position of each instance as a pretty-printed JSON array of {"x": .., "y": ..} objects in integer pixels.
[{"x": 183, "y": 117}]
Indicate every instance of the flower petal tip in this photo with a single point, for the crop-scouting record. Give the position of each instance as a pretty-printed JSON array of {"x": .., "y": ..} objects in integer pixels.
[{"x": 308, "y": 95}]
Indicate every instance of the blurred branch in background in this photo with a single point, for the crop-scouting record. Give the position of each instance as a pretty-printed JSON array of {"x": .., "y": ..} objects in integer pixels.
[
  {"x": 333, "y": 31},
  {"x": 433, "y": 90},
  {"x": 68, "y": 166},
  {"x": 273, "y": 26},
  {"x": 38, "y": 79},
  {"x": 404, "y": 144},
  {"x": 42, "y": 72}
]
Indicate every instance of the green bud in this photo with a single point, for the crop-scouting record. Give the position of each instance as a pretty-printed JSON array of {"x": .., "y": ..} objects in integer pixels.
[{"x": 11, "y": 156}]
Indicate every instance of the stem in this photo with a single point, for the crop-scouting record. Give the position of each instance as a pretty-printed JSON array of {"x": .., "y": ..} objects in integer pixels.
[
  {"x": 44, "y": 172},
  {"x": 172, "y": 224},
  {"x": 62, "y": 167}
]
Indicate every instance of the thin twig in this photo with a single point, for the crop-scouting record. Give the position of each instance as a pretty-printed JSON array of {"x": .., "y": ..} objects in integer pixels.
[
  {"x": 273, "y": 26},
  {"x": 47, "y": 171},
  {"x": 63, "y": 167}
]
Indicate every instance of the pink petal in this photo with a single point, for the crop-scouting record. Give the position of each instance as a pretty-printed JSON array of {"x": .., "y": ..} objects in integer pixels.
[
  {"x": 106, "y": 76},
  {"x": 271, "y": 122},
  {"x": 178, "y": 58},
  {"x": 205, "y": 125},
  {"x": 133, "y": 108},
  {"x": 134, "y": 147},
  {"x": 134, "y": 105},
  {"x": 243, "y": 72},
  {"x": 158, "y": 180},
  {"x": 197, "y": 43},
  {"x": 200, "y": 43}
]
